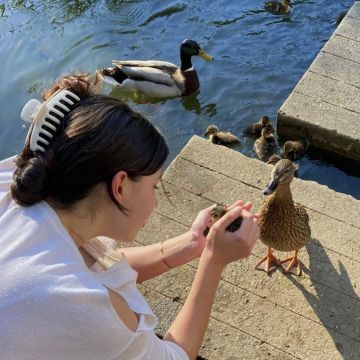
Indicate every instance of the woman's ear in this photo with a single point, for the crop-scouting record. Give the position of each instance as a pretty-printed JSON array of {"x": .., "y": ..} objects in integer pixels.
[{"x": 118, "y": 184}]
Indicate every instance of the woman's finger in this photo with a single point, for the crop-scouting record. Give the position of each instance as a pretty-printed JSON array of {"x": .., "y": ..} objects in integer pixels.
[{"x": 247, "y": 206}]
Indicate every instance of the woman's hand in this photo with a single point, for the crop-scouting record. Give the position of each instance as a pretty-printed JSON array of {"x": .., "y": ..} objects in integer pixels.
[
  {"x": 203, "y": 220},
  {"x": 223, "y": 246}
]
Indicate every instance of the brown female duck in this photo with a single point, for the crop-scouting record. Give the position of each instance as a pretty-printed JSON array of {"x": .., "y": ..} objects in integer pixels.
[
  {"x": 158, "y": 78},
  {"x": 218, "y": 137},
  {"x": 254, "y": 130},
  {"x": 265, "y": 145},
  {"x": 284, "y": 226}
]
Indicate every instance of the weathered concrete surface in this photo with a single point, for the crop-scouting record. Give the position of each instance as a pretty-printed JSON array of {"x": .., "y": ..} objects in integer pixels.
[
  {"x": 326, "y": 100},
  {"x": 255, "y": 316}
]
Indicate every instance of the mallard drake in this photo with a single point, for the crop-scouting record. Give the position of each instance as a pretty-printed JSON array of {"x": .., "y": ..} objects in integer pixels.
[
  {"x": 278, "y": 8},
  {"x": 265, "y": 145},
  {"x": 218, "y": 137},
  {"x": 254, "y": 130},
  {"x": 294, "y": 150},
  {"x": 158, "y": 78},
  {"x": 284, "y": 226},
  {"x": 216, "y": 213}
]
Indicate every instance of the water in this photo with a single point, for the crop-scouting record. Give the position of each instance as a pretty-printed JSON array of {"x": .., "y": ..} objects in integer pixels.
[{"x": 259, "y": 58}]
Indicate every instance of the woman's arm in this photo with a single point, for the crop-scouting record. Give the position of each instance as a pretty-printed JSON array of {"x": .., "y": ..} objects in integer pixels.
[
  {"x": 152, "y": 260},
  {"x": 222, "y": 247},
  {"x": 149, "y": 261}
]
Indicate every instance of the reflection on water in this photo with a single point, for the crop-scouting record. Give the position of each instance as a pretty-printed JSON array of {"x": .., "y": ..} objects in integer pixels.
[{"x": 259, "y": 58}]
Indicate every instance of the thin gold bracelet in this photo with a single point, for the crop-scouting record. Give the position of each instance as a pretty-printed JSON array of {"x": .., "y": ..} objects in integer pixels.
[{"x": 163, "y": 256}]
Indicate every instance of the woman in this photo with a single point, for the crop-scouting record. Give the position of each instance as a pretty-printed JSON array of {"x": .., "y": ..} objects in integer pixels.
[{"x": 94, "y": 179}]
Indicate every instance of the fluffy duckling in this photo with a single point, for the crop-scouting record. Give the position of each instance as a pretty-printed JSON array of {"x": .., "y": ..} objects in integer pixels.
[
  {"x": 158, "y": 78},
  {"x": 278, "y": 8},
  {"x": 254, "y": 130},
  {"x": 265, "y": 145},
  {"x": 284, "y": 226},
  {"x": 294, "y": 150},
  {"x": 218, "y": 137},
  {"x": 216, "y": 213},
  {"x": 273, "y": 159}
]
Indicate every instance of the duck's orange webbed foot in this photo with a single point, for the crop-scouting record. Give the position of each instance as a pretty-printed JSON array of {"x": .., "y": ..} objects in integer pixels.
[
  {"x": 268, "y": 263},
  {"x": 294, "y": 265}
]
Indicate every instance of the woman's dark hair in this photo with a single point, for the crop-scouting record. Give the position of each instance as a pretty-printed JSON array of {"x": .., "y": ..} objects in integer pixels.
[{"x": 100, "y": 136}]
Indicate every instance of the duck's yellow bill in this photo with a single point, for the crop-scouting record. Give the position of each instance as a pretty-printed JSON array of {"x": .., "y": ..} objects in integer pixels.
[{"x": 205, "y": 56}]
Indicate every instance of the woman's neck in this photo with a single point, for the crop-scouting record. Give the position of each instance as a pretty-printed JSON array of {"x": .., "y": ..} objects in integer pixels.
[{"x": 78, "y": 223}]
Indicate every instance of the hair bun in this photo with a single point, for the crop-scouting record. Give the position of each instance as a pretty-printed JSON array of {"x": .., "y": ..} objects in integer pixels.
[{"x": 29, "y": 186}]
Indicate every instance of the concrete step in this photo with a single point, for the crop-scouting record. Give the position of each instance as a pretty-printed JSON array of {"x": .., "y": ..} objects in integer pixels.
[
  {"x": 255, "y": 316},
  {"x": 326, "y": 99}
]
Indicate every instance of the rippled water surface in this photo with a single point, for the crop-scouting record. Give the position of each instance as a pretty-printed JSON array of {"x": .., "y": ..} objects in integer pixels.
[{"x": 259, "y": 58}]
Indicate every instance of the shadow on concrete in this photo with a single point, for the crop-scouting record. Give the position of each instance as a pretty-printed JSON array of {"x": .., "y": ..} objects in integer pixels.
[{"x": 337, "y": 310}]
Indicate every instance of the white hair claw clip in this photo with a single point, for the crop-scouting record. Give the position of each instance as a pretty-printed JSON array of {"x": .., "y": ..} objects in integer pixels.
[{"x": 46, "y": 117}]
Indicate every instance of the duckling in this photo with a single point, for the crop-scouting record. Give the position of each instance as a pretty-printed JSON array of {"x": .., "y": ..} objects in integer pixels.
[
  {"x": 264, "y": 146},
  {"x": 158, "y": 78},
  {"x": 284, "y": 226},
  {"x": 294, "y": 150},
  {"x": 278, "y": 8},
  {"x": 221, "y": 137},
  {"x": 216, "y": 213},
  {"x": 254, "y": 130},
  {"x": 273, "y": 159}
]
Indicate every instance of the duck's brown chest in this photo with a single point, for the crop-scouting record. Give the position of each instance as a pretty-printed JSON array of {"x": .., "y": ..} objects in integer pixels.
[
  {"x": 191, "y": 81},
  {"x": 282, "y": 227}
]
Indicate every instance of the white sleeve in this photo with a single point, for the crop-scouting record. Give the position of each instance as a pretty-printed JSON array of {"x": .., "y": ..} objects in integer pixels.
[
  {"x": 147, "y": 346},
  {"x": 177, "y": 351}
]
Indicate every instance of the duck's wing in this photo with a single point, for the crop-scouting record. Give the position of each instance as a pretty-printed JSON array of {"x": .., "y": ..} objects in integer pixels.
[
  {"x": 228, "y": 137},
  {"x": 152, "y": 89},
  {"x": 259, "y": 148},
  {"x": 302, "y": 213},
  {"x": 146, "y": 73},
  {"x": 156, "y": 64}
]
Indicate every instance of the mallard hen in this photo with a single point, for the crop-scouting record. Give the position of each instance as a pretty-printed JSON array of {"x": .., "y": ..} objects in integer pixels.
[
  {"x": 265, "y": 145},
  {"x": 218, "y": 137},
  {"x": 278, "y": 8},
  {"x": 254, "y": 130},
  {"x": 284, "y": 226},
  {"x": 158, "y": 78}
]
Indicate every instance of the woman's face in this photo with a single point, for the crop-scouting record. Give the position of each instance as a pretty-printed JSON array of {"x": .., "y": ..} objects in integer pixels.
[{"x": 140, "y": 200}]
